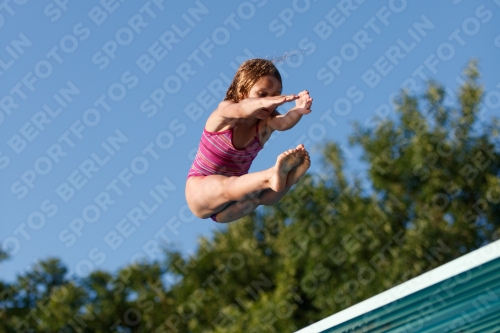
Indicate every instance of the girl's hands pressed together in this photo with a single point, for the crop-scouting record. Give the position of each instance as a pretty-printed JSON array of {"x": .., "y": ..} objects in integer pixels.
[{"x": 303, "y": 103}]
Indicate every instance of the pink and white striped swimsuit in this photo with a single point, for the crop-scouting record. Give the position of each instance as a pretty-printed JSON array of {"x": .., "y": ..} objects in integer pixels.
[{"x": 217, "y": 156}]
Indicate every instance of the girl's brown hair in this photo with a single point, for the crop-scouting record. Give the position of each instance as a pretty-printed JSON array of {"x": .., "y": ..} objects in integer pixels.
[{"x": 247, "y": 75}]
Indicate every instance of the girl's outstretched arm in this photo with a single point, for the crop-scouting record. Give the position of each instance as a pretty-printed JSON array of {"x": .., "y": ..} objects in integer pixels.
[
  {"x": 292, "y": 117},
  {"x": 249, "y": 107}
]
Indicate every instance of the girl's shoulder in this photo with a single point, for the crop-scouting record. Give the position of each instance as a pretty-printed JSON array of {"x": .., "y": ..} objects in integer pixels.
[
  {"x": 224, "y": 104},
  {"x": 216, "y": 122}
]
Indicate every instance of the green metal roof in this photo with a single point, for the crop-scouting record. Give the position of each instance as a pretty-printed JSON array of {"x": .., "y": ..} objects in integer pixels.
[{"x": 460, "y": 296}]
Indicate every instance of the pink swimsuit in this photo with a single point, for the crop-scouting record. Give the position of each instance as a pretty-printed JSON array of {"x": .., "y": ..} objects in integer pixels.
[{"x": 217, "y": 156}]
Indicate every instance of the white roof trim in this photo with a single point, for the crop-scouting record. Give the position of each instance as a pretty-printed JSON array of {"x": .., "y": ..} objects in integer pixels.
[{"x": 438, "y": 274}]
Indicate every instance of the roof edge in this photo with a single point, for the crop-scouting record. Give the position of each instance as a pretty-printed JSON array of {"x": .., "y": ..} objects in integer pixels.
[{"x": 464, "y": 263}]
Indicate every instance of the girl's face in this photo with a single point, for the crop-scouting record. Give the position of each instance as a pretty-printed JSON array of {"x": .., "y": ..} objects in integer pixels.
[{"x": 266, "y": 86}]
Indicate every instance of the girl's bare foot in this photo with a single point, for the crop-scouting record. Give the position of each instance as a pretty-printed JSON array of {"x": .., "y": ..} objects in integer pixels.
[
  {"x": 286, "y": 161},
  {"x": 297, "y": 172}
]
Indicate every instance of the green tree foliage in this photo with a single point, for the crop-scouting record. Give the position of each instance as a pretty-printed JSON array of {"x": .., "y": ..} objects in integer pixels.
[{"x": 431, "y": 193}]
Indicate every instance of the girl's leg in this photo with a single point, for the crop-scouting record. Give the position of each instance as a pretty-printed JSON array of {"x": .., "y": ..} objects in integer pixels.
[
  {"x": 207, "y": 195},
  {"x": 275, "y": 178},
  {"x": 236, "y": 210},
  {"x": 239, "y": 209},
  {"x": 270, "y": 197}
]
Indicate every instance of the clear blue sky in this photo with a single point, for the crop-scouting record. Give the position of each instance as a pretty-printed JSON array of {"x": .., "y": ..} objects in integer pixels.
[{"x": 102, "y": 104}]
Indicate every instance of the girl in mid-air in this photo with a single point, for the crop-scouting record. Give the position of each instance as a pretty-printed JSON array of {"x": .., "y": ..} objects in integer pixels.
[{"x": 219, "y": 185}]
